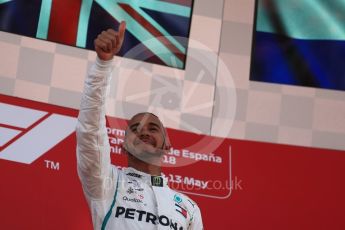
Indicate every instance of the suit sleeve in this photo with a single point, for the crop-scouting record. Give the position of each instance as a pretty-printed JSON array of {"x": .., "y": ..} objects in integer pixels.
[
  {"x": 93, "y": 149},
  {"x": 197, "y": 220}
]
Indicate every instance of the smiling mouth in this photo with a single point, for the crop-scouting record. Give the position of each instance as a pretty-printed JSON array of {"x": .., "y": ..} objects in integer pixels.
[{"x": 148, "y": 142}]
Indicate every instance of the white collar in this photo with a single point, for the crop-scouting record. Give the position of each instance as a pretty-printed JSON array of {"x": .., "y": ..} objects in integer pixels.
[{"x": 159, "y": 181}]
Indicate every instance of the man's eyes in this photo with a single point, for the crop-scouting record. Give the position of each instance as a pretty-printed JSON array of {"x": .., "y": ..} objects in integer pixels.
[
  {"x": 137, "y": 129},
  {"x": 134, "y": 128}
]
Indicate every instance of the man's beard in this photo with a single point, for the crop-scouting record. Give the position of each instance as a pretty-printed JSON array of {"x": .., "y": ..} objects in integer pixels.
[{"x": 145, "y": 152}]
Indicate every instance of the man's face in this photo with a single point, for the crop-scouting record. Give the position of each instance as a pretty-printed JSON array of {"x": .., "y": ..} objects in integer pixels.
[{"x": 145, "y": 136}]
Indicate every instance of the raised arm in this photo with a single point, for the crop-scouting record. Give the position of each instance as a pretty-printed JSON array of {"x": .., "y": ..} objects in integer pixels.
[{"x": 93, "y": 150}]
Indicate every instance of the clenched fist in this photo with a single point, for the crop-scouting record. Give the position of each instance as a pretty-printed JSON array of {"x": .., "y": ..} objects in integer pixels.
[{"x": 109, "y": 42}]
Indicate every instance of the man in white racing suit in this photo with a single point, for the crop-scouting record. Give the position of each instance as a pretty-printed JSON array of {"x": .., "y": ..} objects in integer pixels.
[{"x": 136, "y": 197}]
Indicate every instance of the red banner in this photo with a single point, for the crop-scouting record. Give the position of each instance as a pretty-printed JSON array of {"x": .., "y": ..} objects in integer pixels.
[{"x": 237, "y": 184}]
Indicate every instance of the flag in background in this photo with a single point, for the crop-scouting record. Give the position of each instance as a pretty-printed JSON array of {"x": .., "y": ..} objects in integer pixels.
[
  {"x": 164, "y": 23},
  {"x": 300, "y": 42}
]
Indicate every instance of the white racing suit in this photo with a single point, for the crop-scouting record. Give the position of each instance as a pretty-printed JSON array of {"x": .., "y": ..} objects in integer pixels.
[{"x": 122, "y": 199}]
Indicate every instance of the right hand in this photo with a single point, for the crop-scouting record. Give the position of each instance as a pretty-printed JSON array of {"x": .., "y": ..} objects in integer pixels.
[{"x": 109, "y": 42}]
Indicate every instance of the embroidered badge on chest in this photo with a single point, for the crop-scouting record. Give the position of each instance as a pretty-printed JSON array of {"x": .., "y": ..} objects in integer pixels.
[{"x": 181, "y": 210}]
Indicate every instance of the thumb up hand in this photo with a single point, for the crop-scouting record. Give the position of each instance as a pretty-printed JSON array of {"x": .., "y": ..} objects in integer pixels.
[{"x": 109, "y": 42}]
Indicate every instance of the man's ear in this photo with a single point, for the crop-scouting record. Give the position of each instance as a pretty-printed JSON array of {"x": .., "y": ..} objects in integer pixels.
[
  {"x": 167, "y": 144},
  {"x": 122, "y": 146},
  {"x": 167, "y": 148}
]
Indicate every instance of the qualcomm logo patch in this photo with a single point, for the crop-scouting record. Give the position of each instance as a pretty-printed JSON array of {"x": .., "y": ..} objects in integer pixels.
[{"x": 26, "y": 134}]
